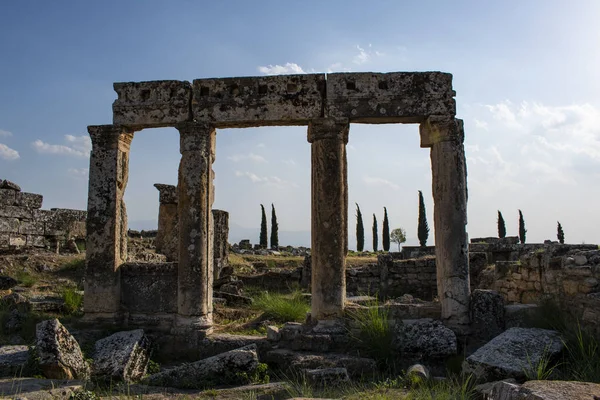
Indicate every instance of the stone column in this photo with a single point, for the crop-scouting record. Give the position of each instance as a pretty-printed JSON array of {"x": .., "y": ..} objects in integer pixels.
[
  {"x": 221, "y": 244},
  {"x": 167, "y": 237},
  {"x": 106, "y": 242},
  {"x": 445, "y": 136},
  {"x": 195, "y": 197},
  {"x": 329, "y": 231}
]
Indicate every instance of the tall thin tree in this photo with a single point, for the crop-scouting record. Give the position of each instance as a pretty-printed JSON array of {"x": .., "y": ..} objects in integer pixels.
[
  {"x": 501, "y": 226},
  {"x": 386, "y": 231},
  {"x": 375, "y": 238},
  {"x": 274, "y": 229},
  {"x": 360, "y": 230},
  {"x": 423, "y": 227},
  {"x": 522, "y": 230},
  {"x": 560, "y": 234},
  {"x": 263, "y": 229}
]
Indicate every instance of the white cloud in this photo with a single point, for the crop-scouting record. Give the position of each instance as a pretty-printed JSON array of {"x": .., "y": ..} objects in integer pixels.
[
  {"x": 249, "y": 157},
  {"x": 265, "y": 180},
  {"x": 365, "y": 55},
  {"x": 288, "y": 68},
  {"x": 79, "y": 146},
  {"x": 261, "y": 145},
  {"x": 4, "y": 133},
  {"x": 480, "y": 124},
  {"x": 78, "y": 172},
  {"x": 6, "y": 153},
  {"x": 289, "y": 162},
  {"x": 373, "y": 181}
]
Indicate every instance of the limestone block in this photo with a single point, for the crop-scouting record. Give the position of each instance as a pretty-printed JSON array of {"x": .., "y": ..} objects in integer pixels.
[
  {"x": 16, "y": 212},
  {"x": 12, "y": 360},
  {"x": 152, "y": 103},
  {"x": 570, "y": 287},
  {"x": 487, "y": 313},
  {"x": 16, "y": 240},
  {"x": 232, "y": 367},
  {"x": 167, "y": 194},
  {"x": 149, "y": 287},
  {"x": 589, "y": 285},
  {"x": 425, "y": 337},
  {"x": 29, "y": 200},
  {"x": 36, "y": 241},
  {"x": 258, "y": 101},
  {"x": 511, "y": 353},
  {"x": 6, "y": 184},
  {"x": 406, "y": 97},
  {"x": 31, "y": 227},
  {"x": 59, "y": 354},
  {"x": 4, "y": 240},
  {"x": 7, "y": 197},
  {"x": 327, "y": 377},
  {"x": 123, "y": 356},
  {"x": 9, "y": 225}
]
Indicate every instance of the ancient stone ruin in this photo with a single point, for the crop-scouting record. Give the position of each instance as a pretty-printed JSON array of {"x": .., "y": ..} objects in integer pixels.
[
  {"x": 23, "y": 224},
  {"x": 327, "y": 105}
]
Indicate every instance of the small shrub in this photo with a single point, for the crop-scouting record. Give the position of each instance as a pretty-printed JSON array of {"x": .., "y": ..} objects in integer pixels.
[
  {"x": 26, "y": 279},
  {"x": 583, "y": 354},
  {"x": 73, "y": 301},
  {"x": 283, "y": 308},
  {"x": 73, "y": 265},
  {"x": 153, "y": 367},
  {"x": 447, "y": 389}
]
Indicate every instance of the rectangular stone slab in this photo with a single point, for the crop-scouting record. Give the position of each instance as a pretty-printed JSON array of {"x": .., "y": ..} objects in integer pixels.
[
  {"x": 259, "y": 101},
  {"x": 152, "y": 103},
  {"x": 396, "y": 97}
]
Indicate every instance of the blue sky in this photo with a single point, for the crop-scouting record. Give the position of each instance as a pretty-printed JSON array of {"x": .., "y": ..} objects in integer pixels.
[{"x": 525, "y": 73}]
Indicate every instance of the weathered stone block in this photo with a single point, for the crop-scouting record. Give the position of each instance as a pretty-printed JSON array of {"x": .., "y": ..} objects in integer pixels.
[
  {"x": 152, "y": 103},
  {"x": 149, "y": 287},
  {"x": 487, "y": 313},
  {"x": 259, "y": 101},
  {"x": 36, "y": 241},
  {"x": 59, "y": 354},
  {"x": 425, "y": 337},
  {"x": 29, "y": 200},
  {"x": 9, "y": 225},
  {"x": 31, "y": 227},
  {"x": 6, "y": 184},
  {"x": 511, "y": 353},
  {"x": 122, "y": 356},
  {"x": 232, "y": 367},
  {"x": 16, "y": 240},
  {"x": 406, "y": 97},
  {"x": 12, "y": 360},
  {"x": 16, "y": 212},
  {"x": 4, "y": 239},
  {"x": 7, "y": 197}
]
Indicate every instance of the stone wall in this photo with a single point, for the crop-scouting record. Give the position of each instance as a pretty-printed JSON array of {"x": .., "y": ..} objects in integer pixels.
[
  {"x": 393, "y": 277},
  {"x": 569, "y": 274},
  {"x": 23, "y": 224}
]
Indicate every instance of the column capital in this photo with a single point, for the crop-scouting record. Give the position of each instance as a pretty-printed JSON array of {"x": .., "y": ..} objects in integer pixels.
[
  {"x": 167, "y": 193},
  {"x": 441, "y": 128},
  {"x": 328, "y": 128},
  {"x": 110, "y": 136},
  {"x": 196, "y": 136}
]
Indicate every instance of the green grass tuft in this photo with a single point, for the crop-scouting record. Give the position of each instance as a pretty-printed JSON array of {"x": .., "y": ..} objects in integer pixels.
[
  {"x": 283, "y": 308},
  {"x": 73, "y": 301},
  {"x": 375, "y": 334},
  {"x": 26, "y": 279}
]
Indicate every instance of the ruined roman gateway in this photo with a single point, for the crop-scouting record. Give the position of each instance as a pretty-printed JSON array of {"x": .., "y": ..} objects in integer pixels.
[{"x": 179, "y": 295}]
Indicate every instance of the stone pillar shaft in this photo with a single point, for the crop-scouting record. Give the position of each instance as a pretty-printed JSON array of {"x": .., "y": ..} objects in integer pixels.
[
  {"x": 220, "y": 239},
  {"x": 195, "y": 197},
  {"x": 445, "y": 136},
  {"x": 167, "y": 236},
  {"x": 329, "y": 230},
  {"x": 106, "y": 242}
]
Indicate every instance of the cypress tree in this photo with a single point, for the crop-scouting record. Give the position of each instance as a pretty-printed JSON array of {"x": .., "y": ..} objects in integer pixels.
[
  {"x": 375, "y": 238},
  {"x": 423, "y": 228},
  {"x": 501, "y": 226},
  {"x": 274, "y": 229},
  {"x": 360, "y": 230},
  {"x": 560, "y": 234},
  {"x": 386, "y": 231},
  {"x": 522, "y": 230},
  {"x": 263, "y": 229}
]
